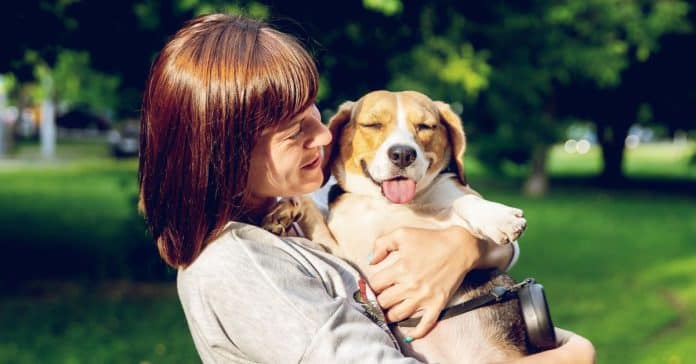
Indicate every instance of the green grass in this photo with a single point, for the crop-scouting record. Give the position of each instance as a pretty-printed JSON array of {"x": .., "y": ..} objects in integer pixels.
[
  {"x": 663, "y": 160},
  {"x": 74, "y": 220},
  {"x": 619, "y": 266},
  {"x": 106, "y": 325}
]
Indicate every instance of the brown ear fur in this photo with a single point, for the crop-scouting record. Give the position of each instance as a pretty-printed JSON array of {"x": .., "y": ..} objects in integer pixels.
[
  {"x": 457, "y": 139},
  {"x": 336, "y": 124}
]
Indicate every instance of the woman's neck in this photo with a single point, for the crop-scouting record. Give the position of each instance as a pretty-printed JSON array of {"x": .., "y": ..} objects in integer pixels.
[{"x": 258, "y": 208}]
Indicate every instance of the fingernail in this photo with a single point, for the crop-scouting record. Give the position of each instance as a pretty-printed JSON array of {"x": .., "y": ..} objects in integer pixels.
[
  {"x": 369, "y": 258},
  {"x": 408, "y": 339}
]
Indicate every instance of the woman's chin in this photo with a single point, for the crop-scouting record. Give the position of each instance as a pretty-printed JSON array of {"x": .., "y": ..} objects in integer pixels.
[{"x": 312, "y": 185}]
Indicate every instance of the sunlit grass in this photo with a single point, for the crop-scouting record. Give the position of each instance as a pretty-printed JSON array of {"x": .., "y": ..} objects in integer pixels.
[
  {"x": 612, "y": 264},
  {"x": 668, "y": 160}
]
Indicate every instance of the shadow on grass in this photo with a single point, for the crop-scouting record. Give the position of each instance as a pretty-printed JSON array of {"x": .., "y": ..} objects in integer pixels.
[{"x": 86, "y": 254}]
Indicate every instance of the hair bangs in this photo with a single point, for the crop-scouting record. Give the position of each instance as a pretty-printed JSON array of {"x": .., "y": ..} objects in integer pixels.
[{"x": 292, "y": 79}]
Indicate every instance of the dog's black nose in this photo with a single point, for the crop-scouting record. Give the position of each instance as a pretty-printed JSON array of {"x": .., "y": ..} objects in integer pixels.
[{"x": 401, "y": 155}]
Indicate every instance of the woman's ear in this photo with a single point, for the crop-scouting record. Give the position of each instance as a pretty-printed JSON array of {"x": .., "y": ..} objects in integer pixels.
[
  {"x": 457, "y": 139},
  {"x": 336, "y": 124}
]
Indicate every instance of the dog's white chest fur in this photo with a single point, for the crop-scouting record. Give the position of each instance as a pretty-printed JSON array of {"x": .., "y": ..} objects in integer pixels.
[{"x": 357, "y": 220}]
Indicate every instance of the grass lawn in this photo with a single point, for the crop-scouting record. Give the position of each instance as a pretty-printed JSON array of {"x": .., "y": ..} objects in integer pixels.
[
  {"x": 619, "y": 266},
  {"x": 141, "y": 324},
  {"x": 662, "y": 160}
]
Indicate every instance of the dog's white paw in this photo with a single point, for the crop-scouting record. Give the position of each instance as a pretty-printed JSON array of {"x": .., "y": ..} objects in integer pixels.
[
  {"x": 500, "y": 224},
  {"x": 286, "y": 211}
]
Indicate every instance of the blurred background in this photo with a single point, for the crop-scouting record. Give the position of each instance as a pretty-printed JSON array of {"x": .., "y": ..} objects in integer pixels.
[{"x": 580, "y": 112}]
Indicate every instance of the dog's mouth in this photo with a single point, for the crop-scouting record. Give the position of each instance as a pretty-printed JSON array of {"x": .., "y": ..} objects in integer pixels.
[{"x": 397, "y": 190}]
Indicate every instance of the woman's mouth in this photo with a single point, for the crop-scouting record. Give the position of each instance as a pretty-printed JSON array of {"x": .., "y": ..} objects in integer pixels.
[{"x": 316, "y": 162}]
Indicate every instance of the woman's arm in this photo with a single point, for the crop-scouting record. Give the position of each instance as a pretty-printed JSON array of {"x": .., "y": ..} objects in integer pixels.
[
  {"x": 267, "y": 302},
  {"x": 429, "y": 267}
]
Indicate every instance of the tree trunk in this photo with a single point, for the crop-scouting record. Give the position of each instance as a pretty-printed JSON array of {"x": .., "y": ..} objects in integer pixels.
[
  {"x": 48, "y": 129},
  {"x": 4, "y": 130},
  {"x": 612, "y": 140},
  {"x": 537, "y": 183}
]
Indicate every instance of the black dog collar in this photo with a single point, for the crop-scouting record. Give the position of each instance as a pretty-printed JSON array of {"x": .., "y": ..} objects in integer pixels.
[
  {"x": 497, "y": 294},
  {"x": 533, "y": 306}
]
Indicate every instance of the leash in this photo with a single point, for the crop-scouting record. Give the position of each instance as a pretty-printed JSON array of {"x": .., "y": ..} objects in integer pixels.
[{"x": 497, "y": 294}]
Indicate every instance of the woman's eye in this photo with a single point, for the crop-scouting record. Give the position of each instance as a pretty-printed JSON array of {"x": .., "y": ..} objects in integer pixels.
[
  {"x": 376, "y": 126},
  {"x": 422, "y": 127},
  {"x": 296, "y": 134}
]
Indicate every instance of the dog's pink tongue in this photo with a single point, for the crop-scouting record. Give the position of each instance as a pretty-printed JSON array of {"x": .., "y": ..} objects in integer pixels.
[{"x": 399, "y": 190}]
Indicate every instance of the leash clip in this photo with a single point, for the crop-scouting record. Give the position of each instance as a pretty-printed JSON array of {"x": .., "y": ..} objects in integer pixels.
[
  {"x": 521, "y": 284},
  {"x": 499, "y": 292}
]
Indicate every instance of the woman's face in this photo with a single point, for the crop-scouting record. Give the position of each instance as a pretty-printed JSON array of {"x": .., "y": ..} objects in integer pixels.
[{"x": 287, "y": 159}]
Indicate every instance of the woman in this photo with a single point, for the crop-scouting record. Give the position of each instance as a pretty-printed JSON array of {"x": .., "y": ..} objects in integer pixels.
[{"x": 229, "y": 124}]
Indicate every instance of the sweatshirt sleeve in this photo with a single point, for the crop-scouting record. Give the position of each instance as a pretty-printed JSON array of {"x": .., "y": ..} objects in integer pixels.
[{"x": 274, "y": 310}]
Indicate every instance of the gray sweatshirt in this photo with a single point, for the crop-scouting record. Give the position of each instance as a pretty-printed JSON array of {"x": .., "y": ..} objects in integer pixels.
[{"x": 252, "y": 297}]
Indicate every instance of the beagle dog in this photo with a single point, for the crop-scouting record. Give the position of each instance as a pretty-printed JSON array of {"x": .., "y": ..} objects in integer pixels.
[{"x": 397, "y": 159}]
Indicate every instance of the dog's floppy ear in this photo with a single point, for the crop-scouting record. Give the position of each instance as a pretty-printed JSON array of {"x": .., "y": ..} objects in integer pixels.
[
  {"x": 456, "y": 136},
  {"x": 336, "y": 124},
  {"x": 342, "y": 116}
]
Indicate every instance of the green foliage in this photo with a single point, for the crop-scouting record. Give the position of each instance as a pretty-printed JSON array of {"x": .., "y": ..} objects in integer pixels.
[
  {"x": 441, "y": 68},
  {"x": 71, "y": 81},
  {"x": 504, "y": 61},
  {"x": 8, "y": 86},
  {"x": 516, "y": 59},
  {"x": 386, "y": 7},
  {"x": 443, "y": 65},
  {"x": 598, "y": 39},
  {"x": 254, "y": 9}
]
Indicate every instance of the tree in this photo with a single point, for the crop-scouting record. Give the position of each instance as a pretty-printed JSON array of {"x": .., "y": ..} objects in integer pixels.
[
  {"x": 535, "y": 49},
  {"x": 656, "y": 75},
  {"x": 508, "y": 65}
]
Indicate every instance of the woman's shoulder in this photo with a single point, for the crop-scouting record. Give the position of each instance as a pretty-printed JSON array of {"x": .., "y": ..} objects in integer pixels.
[{"x": 240, "y": 249}]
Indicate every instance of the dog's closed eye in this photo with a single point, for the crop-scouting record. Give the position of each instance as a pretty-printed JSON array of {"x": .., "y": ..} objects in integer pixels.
[
  {"x": 425, "y": 127},
  {"x": 376, "y": 126}
]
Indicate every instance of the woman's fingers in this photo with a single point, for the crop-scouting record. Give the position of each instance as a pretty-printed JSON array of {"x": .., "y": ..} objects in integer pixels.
[
  {"x": 426, "y": 324},
  {"x": 575, "y": 346},
  {"x": 402, "y": 311},
  {"x": 384, "y": 245},
  {"x": 391, "y": 296},
  {"x": 389, "y": 272}
]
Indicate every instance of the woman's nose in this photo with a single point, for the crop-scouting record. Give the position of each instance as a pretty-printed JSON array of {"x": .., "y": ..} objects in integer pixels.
[{"x": 319, "y": 136}]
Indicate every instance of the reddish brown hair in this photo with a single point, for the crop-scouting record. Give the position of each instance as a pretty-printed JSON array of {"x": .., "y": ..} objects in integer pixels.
[{"x": 214, "y": 87}]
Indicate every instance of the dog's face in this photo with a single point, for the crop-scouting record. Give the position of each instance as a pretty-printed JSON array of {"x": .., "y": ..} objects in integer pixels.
[{"x": 393, "y": 144}]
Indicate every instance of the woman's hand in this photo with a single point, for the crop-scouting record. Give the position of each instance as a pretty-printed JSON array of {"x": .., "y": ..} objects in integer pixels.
[
  {"x": 572, "y": 349},
  {"x": 425, "y": 267}
]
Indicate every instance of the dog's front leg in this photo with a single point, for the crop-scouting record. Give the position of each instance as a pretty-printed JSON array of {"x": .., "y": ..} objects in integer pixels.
[
  {"x": 313, "y": 223},
  {"x": 489, "y": 220},
  {"x": 305, "y": 212}
]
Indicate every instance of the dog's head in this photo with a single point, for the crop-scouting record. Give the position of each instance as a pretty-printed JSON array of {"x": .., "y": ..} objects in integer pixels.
[{"x": 394, "y": 144}]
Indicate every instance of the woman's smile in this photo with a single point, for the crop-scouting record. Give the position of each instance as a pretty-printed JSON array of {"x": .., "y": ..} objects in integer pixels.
[{"x": 314, "y": 163}]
